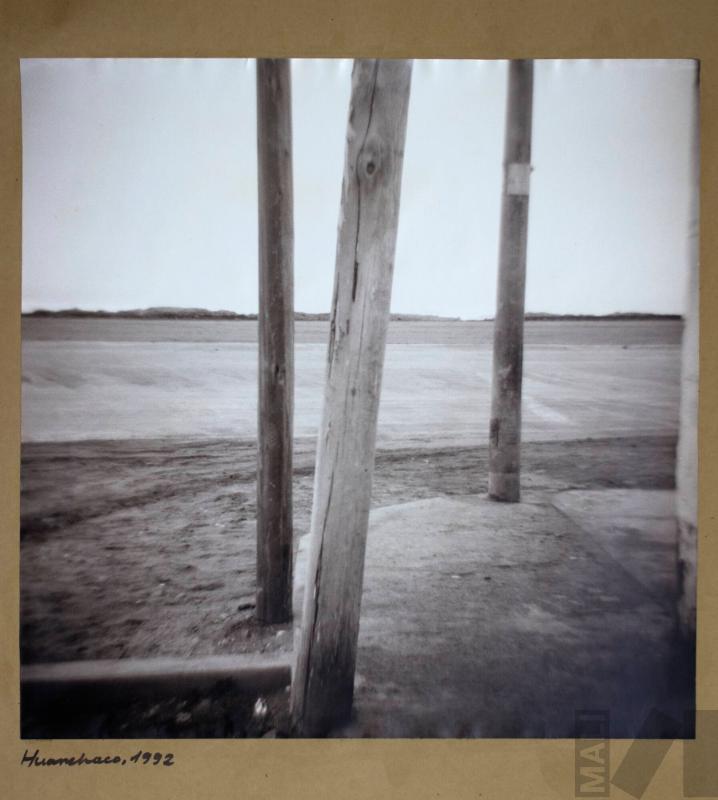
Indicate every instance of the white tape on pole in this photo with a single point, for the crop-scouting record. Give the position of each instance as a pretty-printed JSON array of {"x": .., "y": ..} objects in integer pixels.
[{"x": 517, "y": 178}]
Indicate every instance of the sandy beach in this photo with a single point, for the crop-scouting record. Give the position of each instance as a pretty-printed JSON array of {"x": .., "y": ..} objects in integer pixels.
[{"x": 139, "y": 458}]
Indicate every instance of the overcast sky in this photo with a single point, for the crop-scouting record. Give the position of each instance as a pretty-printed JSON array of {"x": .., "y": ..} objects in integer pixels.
[{"x": 139, "y": 185}]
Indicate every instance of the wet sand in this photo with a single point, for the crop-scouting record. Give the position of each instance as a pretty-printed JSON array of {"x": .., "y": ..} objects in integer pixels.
[{"x": 99, "y": 379}]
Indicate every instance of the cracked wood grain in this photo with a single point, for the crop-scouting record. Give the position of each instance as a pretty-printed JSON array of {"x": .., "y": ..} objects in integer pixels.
[{"x": 323, "y": 680}]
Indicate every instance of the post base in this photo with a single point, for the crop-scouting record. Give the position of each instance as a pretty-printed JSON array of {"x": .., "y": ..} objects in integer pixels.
[{"x": 505, "y": 487}]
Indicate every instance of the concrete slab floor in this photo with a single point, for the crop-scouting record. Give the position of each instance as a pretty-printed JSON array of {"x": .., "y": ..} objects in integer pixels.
[{"x": 484, "y": 619}]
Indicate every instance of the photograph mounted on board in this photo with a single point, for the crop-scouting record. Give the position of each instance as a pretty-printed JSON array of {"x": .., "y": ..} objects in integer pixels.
[{"x": 430, "y": 471}]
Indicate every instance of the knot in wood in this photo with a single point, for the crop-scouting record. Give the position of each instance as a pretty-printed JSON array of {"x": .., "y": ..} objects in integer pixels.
[{"x": 369, "y": 162}]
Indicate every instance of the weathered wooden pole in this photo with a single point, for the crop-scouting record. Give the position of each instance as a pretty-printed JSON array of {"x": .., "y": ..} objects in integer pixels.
[
  {"x": 276, "y": 342},
  {"x": 323, "y": 679},
  {"x": 505, "y": 428},
  {"x": 687, "y": 455}
]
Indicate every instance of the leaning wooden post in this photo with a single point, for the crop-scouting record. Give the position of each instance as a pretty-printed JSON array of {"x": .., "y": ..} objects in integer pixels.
[
  {"x": 687, "y": 455},
  {"x": 276, "y": 342},
  {"x": 323, "y": 680},
  {"x": 505, "y": 428}
]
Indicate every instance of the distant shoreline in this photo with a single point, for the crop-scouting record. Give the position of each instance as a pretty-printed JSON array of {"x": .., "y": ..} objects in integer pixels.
[{"x": 204, "y": 314}]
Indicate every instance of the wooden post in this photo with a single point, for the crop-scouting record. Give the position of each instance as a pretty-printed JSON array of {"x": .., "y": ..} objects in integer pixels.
[
  {"x": 323, "y": 680},
  {"x": 276, "y": 342},
  {"x": 687, "y": 454},
  {"x": 505, "y": 429}
]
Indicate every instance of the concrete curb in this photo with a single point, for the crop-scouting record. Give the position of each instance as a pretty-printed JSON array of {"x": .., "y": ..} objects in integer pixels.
[{"x": 130, "y": 678}]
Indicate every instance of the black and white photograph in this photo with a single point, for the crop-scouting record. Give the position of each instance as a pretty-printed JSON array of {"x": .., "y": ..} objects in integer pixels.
[{"x": 359, "y": 398}]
